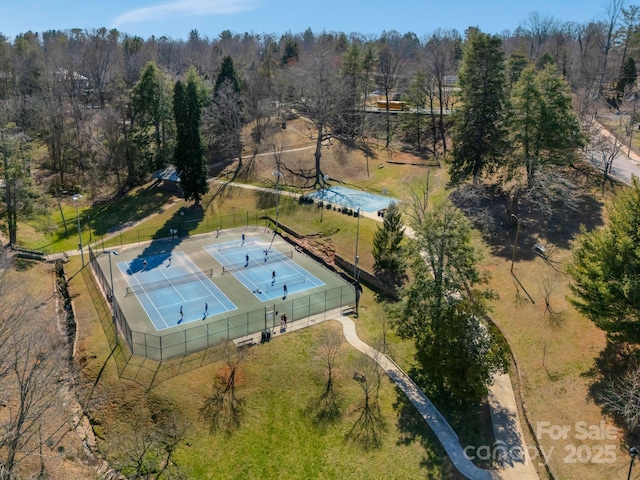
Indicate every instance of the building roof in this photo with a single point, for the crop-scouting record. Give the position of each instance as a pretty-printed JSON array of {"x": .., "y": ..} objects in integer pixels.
[{"x": 169, "y": 174}]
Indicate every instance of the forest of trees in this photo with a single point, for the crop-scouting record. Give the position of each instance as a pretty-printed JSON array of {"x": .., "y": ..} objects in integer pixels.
[
  {"x": 97, "y": 111},
  {"x": 100, "y": 102}
]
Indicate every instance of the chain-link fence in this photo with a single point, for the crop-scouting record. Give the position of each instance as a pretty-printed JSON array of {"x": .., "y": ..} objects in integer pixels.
[{"x": 188, "y": 340}]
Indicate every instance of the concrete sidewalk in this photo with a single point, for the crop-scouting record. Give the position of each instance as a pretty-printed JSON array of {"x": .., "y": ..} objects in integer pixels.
[
  {"x": 504, "y": 412},
  {"x": 515, "y": 462}
]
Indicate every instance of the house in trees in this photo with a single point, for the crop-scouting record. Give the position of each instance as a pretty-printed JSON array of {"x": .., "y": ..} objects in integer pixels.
[{"x": 77, "y": 83}]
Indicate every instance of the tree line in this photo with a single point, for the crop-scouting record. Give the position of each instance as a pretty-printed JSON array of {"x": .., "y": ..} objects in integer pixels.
[{"x": 100, "y": 102}]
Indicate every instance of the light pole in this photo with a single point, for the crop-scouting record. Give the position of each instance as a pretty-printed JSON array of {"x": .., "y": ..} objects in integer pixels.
[
  {"x": 110, "y": 274},
  {"x": 326, "y": 179},
  {"x": 633, "y": 451},
  {"x": 355, "y": 263},
  {"x": 75, "y": 198},
  {"x": 113, "y": 313},
  {"x": 278, "y": 174},
  {"x": 515, "y": 242}
]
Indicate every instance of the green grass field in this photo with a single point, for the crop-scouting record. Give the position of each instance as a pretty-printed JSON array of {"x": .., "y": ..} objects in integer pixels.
[{"x": 557, "y": 356}]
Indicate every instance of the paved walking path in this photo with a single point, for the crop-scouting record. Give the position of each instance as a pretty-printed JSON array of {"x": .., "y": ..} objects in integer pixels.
[
  {"x": 626, "y": 164},
  {"x": 507, "y": 429},
  {"x": 516, "y": 464},
  {"x": 504, "y": 412}
]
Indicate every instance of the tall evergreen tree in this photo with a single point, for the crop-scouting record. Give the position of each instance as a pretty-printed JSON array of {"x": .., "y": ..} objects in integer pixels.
[
  {"x": 479, "y": 134},
  {"x": 150, "y": 103},
  {"x": 628, "y": 76},
  {"x": 544, "y": 129},
  {"x": 227, "y": 73},
  {"x": 388, "y": 253},
  {"x": 188, "y": 155},
  {"x": 443, "y": 310},
  {"x": 605, "y": 268}
]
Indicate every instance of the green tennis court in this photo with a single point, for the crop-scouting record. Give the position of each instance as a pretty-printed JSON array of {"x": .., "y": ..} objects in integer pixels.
[
  {"x": 172, "y": 290},
  {"x": 265, "y": 271},
  {"x": 218, "y": 295}
]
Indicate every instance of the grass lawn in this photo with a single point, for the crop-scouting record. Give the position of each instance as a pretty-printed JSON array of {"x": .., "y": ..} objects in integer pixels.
[
  {"x": 278, "y": 436},
  {"x": 557, "y": 350}
]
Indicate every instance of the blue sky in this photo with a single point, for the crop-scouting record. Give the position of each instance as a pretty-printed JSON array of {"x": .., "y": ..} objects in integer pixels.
[{"x": 175, "y": 18}]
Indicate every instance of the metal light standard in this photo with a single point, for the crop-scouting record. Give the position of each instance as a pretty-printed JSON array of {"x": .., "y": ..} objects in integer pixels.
[
  {"x": 110, "y": 274},
  {"x": 113, "y": 313},
  {"x": 278, "y": 174},
  {"x": 326, "y": 179},
  {"x": 515, "y": 242},
  {"x": 75, "y": 198},
  {"x": 355, "y": 263},
  {"x": 633, "y": 451}
]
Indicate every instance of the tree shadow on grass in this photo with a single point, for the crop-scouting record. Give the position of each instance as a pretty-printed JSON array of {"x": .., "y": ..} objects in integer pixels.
[
  {"x": 119, "y": 213},
  {"x": 181, "y": 225},
  {"x": 613, "y": 363},
  {"x": 488, "y": 209},
  {"x": 413, "y": 428}
]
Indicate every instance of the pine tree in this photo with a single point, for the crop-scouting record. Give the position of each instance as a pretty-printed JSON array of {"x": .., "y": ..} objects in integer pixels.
[
  {"x": 389, "y": 256},
  {"x": 628, "y": 76},
  {"x": 479, "y": 134},
  {"x": 227, "y": 73},
  {"x": 188, "y": 155},
  {"x": 544, "y": 128},
  {"x": 151, "y": 112},
  {"x": 605, "y": 268}
]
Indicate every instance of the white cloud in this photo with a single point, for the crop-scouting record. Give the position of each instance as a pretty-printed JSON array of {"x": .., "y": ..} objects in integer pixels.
[{"x": 183, "y": 8}]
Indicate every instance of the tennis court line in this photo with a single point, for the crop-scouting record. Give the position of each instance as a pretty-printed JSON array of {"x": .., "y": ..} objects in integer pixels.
[
  {"x": 222, "y": 259},
  {"x": 133, "y": 275},
  {"x": 188, "y": 264},
  {"x": 252, "y": 277}
]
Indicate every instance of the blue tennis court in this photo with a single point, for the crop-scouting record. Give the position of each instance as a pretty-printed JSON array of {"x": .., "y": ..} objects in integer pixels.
[
  {"x": 173, "y": 290},
  {"x": 365, "y": 201},
  {"x": 265, "y": 271}
]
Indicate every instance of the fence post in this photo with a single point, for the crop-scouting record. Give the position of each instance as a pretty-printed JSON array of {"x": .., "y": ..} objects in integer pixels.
[{"x": 324, "y": 309}]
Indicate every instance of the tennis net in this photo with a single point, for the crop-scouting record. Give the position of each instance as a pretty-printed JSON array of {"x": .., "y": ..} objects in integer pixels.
[
  {"x": 228, "y": 246},
  {"x": 288, "y": 281},
  {"x": 169, "y": 282},
  {"x": 264, "y": 259}
]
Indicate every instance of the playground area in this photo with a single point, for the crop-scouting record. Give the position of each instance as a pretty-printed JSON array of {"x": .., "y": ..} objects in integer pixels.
[{"x": 179, "y": 295}]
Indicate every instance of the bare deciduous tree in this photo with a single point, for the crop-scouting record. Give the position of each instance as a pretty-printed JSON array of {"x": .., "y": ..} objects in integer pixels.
[
  {"x": 223, "y": 408},
  {"x": 145, "y": 449},
  {"x": 621, "y": 398},
  {"x": 419, "y": 201},
  {"x": 368, "y": 429},
  {"x": 316, "y": 95},
  {"x": 391, "y": 64},
  {"x": 32, "y": 369},
  {"x": 547, "y": 287},
  {"x": 602, "y": 150},
  {"x": 329, "y": 347}
]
